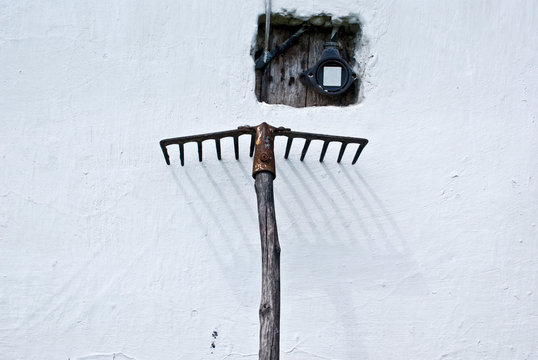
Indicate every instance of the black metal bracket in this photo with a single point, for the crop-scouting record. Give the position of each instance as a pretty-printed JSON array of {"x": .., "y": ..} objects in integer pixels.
[
  {"x": 330, "y": 59},
  {"x": 265, "y": 59}
]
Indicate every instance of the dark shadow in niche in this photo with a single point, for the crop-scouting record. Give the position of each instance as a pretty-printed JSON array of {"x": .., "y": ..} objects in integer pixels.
[{"x": 278, "y": 82}]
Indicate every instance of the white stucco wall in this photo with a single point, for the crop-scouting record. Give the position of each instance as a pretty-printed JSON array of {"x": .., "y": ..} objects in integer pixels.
[{"x": 426, "y": 249}]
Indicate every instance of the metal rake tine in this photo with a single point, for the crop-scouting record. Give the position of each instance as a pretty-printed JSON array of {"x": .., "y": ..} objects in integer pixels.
[
  {"x": 358, "y": 153},
  {"x": 305, "y": 148},
  {"x": 199, "y": 150},
  {"x": 165, "y": 153},
  {"x": 288, "y": 147},
  {"x": 342, "y": 149},
  {"x": 323, "y": 150},
  {"x": 182, "y": 154},
  {"x": 236, "y": 147},
  {"x": 252, "y": 141},
  {"x": 217, "y": 146}
]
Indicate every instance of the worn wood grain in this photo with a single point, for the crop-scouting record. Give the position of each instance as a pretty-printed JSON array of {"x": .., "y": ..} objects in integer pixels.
[
  {"x": 270, "y": 301},
  {"x": 280, "y": 83}
]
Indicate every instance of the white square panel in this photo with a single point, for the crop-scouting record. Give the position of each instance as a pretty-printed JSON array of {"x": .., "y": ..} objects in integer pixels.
[{"x": 332, "y": 76}]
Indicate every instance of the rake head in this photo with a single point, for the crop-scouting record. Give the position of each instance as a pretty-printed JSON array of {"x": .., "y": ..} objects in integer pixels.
[{"x": 261, "y": 144}]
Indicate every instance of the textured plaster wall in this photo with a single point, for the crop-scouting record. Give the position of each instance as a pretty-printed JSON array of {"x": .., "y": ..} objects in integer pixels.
[{"x": 426, "y": 249}]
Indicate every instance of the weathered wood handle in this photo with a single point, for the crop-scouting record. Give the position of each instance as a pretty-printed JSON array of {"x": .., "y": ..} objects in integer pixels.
[{"x": 270, "y": 301}]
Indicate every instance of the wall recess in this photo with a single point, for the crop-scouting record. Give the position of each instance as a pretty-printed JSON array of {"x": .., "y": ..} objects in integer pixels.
[{"x": 299, "y": 45}]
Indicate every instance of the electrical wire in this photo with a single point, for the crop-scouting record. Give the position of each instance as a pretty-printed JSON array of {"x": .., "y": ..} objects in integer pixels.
[{"x": 267, "y": 28}]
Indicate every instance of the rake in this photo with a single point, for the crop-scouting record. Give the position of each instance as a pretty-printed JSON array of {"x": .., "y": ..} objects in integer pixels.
[{"x": 263, "y": 171}]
